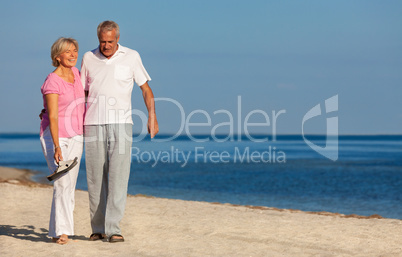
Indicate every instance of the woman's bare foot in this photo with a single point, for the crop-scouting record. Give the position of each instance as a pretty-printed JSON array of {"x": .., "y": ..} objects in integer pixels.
[{"x": 62, "y": 240}]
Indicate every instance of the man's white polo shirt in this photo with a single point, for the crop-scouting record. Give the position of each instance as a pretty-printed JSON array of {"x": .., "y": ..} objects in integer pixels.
[{"x": 109, "y": 83}]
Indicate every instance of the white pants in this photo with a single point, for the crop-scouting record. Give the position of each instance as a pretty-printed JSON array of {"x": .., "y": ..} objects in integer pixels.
[{"x": 61, "y": 215}]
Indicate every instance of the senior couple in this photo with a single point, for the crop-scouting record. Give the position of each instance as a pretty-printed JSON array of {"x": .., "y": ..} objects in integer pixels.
[{"x": 107, "y": 77}]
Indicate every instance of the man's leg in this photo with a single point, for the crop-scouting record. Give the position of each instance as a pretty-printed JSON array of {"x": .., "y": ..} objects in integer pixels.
[
  {"x": 97, "y": 168},
  {"x": 120, "y": 141}
]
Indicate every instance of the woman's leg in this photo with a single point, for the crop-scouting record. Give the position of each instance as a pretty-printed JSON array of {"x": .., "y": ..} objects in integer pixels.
[
  {"x": 61, "y": 216},
  {"x": 69, "y": 180}
]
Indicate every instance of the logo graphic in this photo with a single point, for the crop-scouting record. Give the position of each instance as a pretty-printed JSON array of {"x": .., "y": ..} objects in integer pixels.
[{"x": 330, "y": 150}]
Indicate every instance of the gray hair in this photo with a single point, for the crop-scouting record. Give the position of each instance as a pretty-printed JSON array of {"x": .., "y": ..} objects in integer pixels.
[
  {"x": 108, "y": 26},
  {"x": 60, "y": 46}
]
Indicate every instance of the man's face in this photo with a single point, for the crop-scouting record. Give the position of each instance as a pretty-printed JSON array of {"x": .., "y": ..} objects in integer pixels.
[{"x": 108, "y": 43}]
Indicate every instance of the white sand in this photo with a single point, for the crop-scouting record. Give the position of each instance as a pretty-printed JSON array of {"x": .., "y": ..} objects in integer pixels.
[{"x": 164, "y": 227}]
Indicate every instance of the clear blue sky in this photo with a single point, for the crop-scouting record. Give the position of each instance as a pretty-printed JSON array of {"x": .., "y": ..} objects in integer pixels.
[{"x": 276, "y": 55}]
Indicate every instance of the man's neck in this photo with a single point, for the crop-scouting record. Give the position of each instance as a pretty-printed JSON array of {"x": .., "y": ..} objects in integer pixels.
[{"x": 112, "y": 54}]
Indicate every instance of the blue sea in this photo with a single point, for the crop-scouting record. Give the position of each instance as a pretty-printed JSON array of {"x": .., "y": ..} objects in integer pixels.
[{"x": 366, "y": 178}]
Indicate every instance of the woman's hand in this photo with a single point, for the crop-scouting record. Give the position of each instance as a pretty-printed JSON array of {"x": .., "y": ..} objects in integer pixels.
[{"x": 57, "y": 155}]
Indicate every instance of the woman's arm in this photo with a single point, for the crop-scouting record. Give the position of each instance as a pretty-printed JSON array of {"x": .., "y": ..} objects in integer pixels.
[{"x": 52, "y": 101}]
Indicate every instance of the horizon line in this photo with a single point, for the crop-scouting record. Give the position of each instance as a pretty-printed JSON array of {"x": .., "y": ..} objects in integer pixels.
[{"x": 235, "y": 135}]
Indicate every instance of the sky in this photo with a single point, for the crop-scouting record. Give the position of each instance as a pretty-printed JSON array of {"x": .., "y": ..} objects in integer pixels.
[{"x": 223, "y": 64}]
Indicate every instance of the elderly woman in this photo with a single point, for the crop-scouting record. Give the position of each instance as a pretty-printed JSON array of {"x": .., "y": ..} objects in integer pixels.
[{"x": 61, "y": 133}]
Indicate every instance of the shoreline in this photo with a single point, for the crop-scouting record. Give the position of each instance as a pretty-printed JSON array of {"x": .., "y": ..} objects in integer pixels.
[
  {"x": 24, "y": 177},
  {"x": 18, "y": 176}
]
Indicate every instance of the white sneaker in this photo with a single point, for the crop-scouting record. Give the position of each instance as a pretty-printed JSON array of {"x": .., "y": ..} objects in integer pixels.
[{"x": 64, "y": 167}]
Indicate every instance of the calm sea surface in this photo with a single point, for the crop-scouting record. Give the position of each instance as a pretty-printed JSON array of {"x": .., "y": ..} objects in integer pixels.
[{"x": 366, "y": 179}]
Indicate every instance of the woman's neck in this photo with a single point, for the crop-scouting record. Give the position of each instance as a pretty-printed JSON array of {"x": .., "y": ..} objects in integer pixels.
[{"x": 65, "y": 73}]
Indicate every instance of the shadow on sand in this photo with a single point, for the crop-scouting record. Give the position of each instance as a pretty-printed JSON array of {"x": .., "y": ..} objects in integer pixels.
[{"x": 30, "y": 233}]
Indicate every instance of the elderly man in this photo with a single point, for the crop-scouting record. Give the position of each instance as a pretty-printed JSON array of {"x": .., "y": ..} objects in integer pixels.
[{"x": 108, "y": 74}]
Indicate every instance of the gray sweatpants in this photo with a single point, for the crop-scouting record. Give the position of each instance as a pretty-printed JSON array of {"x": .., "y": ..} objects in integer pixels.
[{"x": 108, "y": 158}]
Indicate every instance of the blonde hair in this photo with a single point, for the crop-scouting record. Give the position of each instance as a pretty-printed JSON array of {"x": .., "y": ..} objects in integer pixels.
[
  {"x": 60, "y": 46},
  {"x": 108, "y": 26}
]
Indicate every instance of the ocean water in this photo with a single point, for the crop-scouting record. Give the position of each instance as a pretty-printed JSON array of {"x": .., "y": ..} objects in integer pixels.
[{"x": 366, "y": 179}]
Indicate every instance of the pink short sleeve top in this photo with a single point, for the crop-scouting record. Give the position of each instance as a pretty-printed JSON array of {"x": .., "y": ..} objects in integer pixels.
[{"x": 71, "y": 104}]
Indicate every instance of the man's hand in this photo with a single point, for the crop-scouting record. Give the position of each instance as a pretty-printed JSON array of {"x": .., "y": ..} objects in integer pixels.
[
  {"x": 153, "y": 127},
  {"x": 41, "y": 113}
]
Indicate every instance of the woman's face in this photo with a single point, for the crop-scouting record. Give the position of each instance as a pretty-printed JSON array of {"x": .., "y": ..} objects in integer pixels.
[{"x": 68, "y": 58}]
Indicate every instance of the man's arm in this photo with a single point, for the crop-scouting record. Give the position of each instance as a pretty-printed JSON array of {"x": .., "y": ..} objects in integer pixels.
[
  {"x": 149, "y": 101},
  {"x": 84, "y": 80}
]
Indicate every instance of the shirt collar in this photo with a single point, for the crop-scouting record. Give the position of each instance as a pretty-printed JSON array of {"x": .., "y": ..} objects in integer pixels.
[{"x": 121, "y": 49}]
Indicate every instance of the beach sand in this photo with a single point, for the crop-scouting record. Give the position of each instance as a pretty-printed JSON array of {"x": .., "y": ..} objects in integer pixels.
[{"x": 165, "y": 227}]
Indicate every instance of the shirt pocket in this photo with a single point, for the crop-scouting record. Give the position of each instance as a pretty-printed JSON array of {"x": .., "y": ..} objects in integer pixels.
[{"x": 122, "y": 72}]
